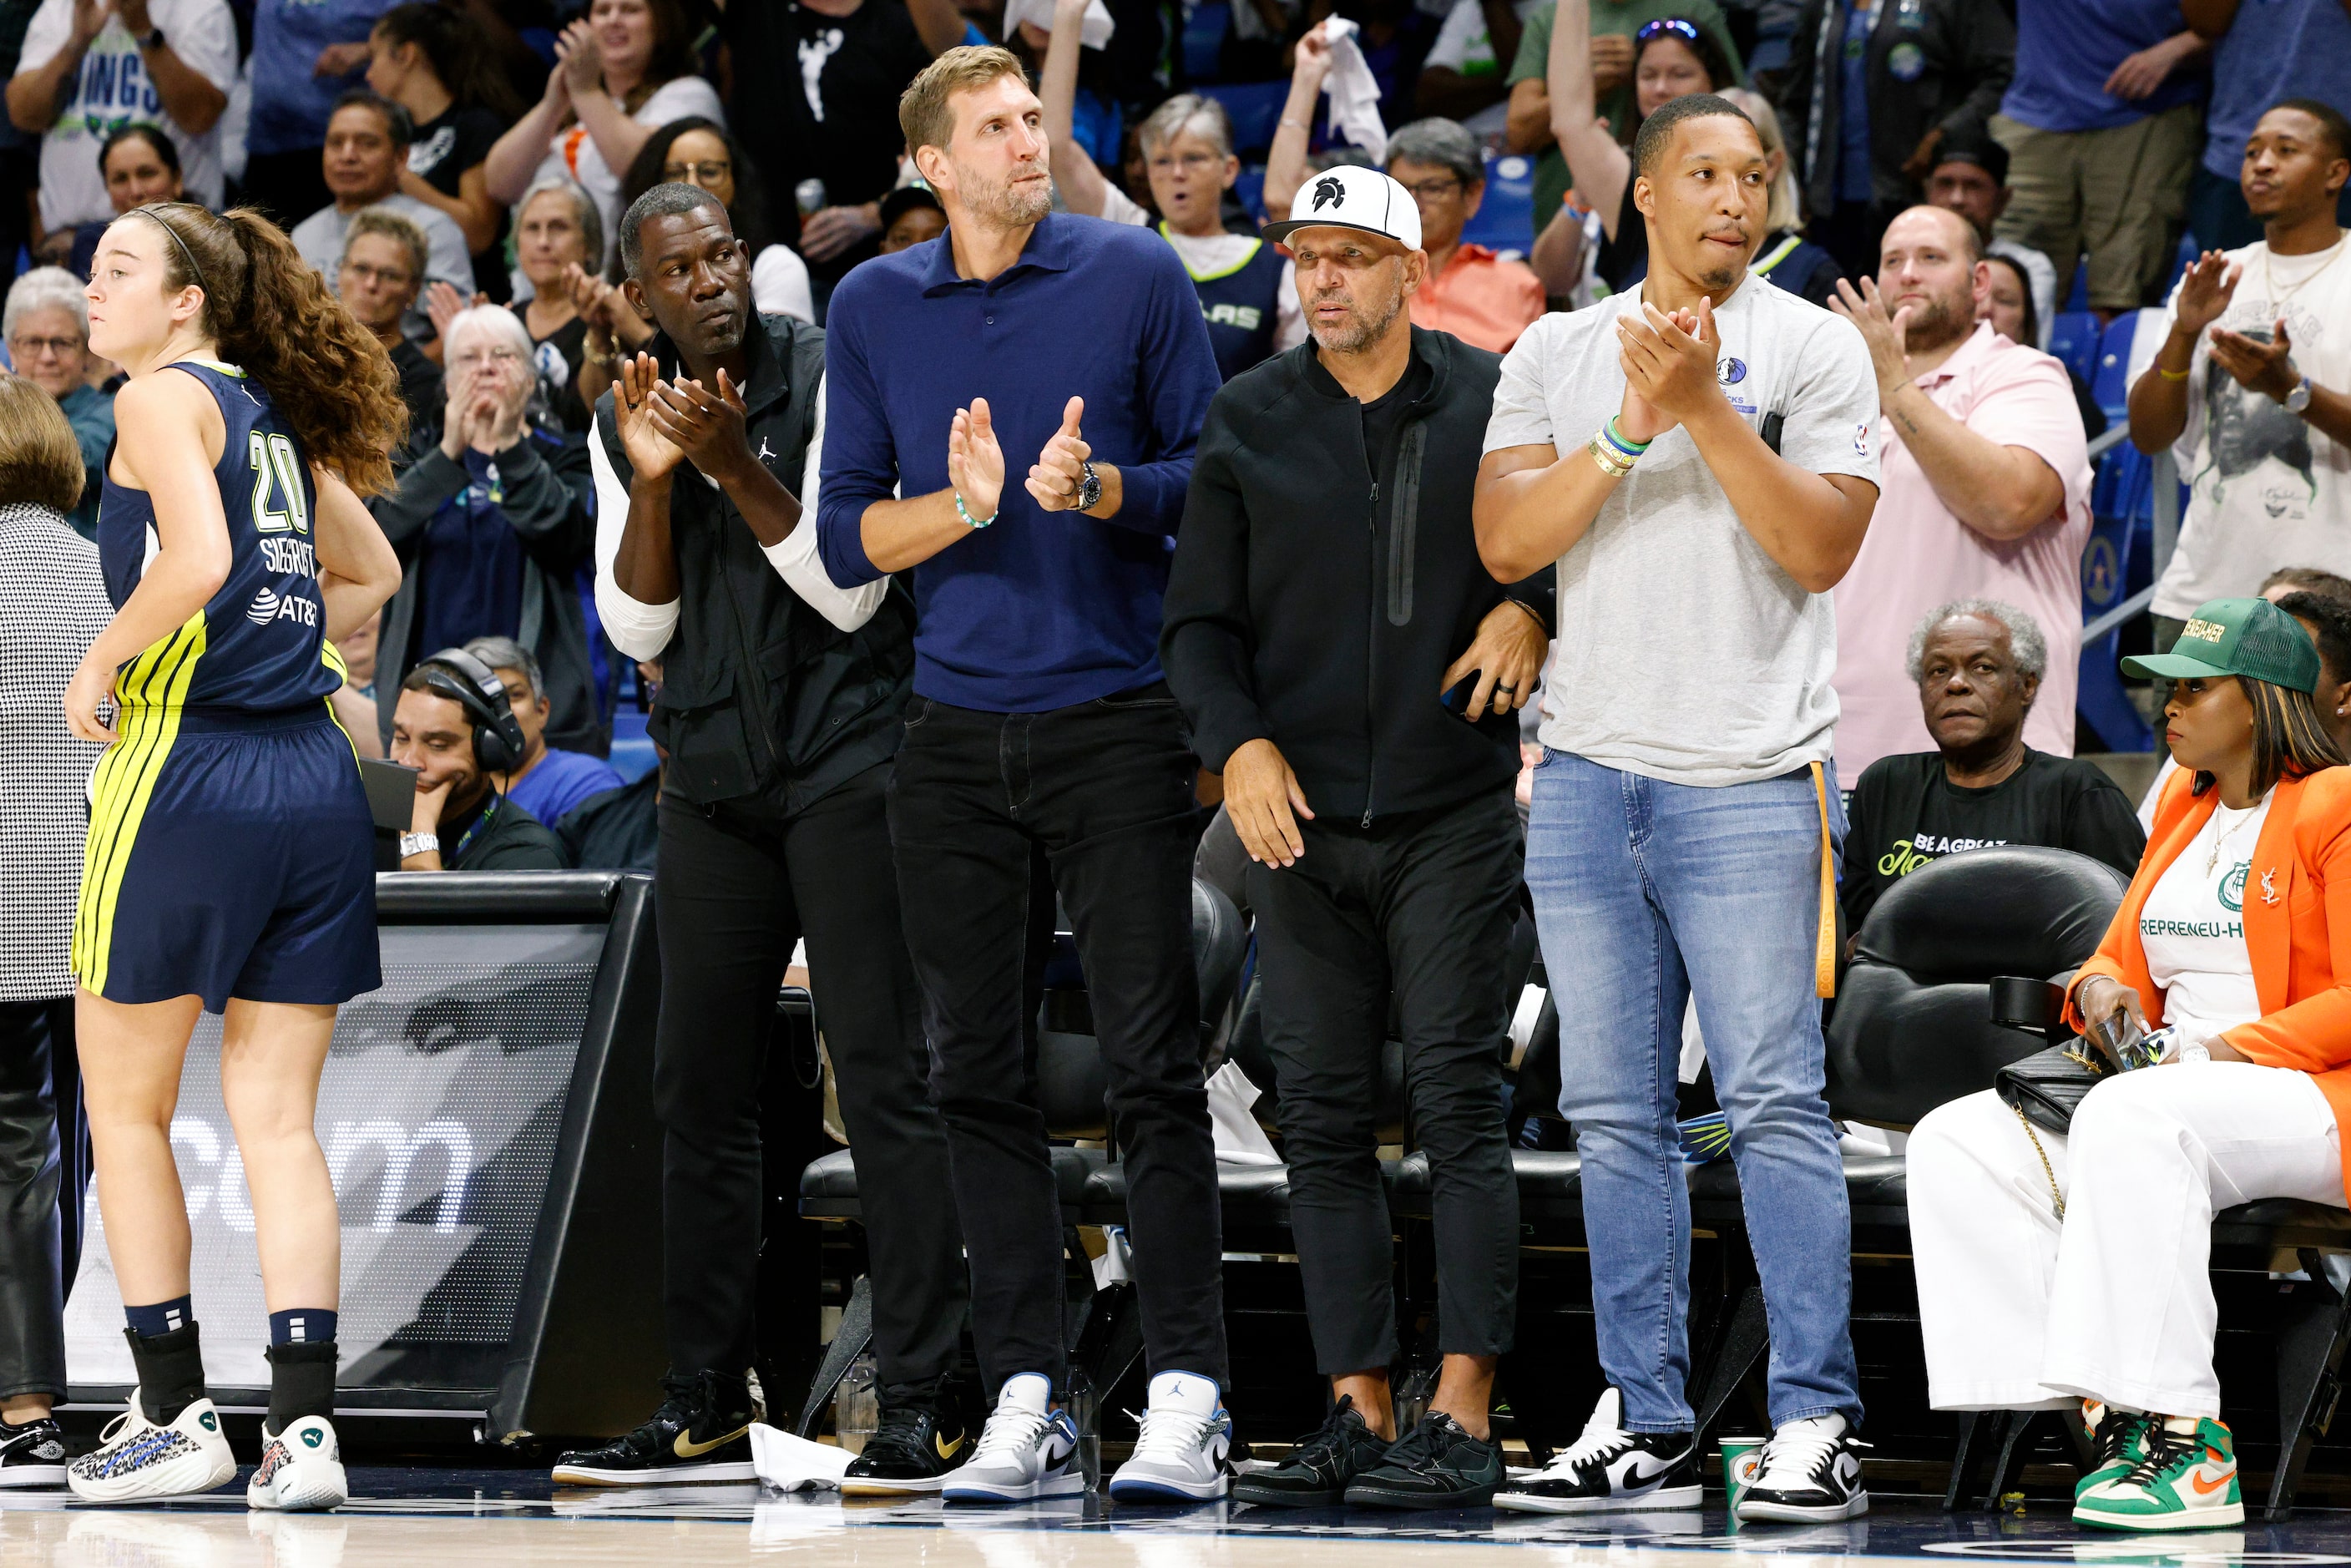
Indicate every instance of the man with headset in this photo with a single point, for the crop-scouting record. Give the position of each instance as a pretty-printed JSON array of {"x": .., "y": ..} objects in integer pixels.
[{"x": 456, "y": 727}]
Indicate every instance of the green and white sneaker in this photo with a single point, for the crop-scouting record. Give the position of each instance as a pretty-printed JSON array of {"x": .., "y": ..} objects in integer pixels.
[
  {"x": 2120, "y": 1439},
  {"x": 2187, "y": 1480}
]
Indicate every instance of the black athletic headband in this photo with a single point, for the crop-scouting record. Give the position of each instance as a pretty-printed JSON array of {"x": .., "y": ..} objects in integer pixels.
[{"x": 147, "y": 210}]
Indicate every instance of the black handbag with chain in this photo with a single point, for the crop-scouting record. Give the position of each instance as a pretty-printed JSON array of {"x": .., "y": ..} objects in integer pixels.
[{"x": 2049, "y": 1084}]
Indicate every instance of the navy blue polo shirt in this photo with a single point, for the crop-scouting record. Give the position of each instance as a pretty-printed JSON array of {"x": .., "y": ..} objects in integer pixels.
[{"x": 1041, "y": 610}]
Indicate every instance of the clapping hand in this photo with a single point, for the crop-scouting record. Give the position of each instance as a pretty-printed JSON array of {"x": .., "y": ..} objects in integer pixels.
[
  {"x": 975, "y": 461},
  {"x": 1888, "y": 337},
  {"x": 2258, "y": 366},
  {"x": 1668, "y": 359},
  {"x": 1060, "y": 469},
  {"x": 579, "y": 60},
  {"x": 650, "y": 451},
  {"x": 708, "y": 426},
  {"x": 442, "y": 303},
  {"x": 2205, "y": 291}
]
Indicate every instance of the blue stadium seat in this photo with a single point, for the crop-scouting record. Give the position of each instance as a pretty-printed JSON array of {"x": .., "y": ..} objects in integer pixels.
[
  {"x": 632, "y": 754},
  {"x": 2074, "y": 338},
  {"x": 1204, "y": 35},
  {"x": 2078, "y": 297},
  {"x": 1251, "y": 191},
  {"x": 2109, "y": 376},
  {"x": 1506, "y": 218},
  {"x": 1256, "y": 109}
]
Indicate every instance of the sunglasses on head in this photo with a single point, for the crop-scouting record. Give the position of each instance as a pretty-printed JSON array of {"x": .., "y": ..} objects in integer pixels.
[{"x": 1674, "y": 24}]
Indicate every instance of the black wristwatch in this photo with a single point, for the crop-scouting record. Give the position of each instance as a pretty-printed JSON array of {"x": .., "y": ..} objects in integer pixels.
[
  {"x": 154, "y": 40},
  {"x": 1088, "y": 487}
]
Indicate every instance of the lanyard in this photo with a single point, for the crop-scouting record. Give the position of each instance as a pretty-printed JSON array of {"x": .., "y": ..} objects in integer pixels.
[{"x": 480, "y": 822}]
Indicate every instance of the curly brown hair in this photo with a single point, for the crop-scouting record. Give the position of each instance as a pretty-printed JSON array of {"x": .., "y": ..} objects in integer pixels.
[{"x": 268, "y": 312}]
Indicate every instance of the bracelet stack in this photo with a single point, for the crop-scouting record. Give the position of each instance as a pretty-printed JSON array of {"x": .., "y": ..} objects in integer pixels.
[{"x": 1613, "y": 452}]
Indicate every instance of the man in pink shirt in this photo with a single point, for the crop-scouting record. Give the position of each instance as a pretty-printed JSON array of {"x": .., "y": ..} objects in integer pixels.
[{"x": 1985, "y": 490}]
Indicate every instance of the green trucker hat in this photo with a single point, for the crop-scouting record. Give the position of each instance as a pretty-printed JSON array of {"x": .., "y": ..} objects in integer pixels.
[{"x": 2237, "y": 637}]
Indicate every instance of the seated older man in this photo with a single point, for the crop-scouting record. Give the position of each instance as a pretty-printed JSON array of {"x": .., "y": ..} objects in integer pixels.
[
  {"x": 46, "y": 324},
  {"x": 1978, "y": 666},
  {"x": 382, "y": 268},
  {"x": 365, "y": 153},
  {"x": 1985, "y": 488}
]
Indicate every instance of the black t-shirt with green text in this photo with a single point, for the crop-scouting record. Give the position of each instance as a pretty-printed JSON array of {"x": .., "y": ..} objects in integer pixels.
[{"x": 1906, "y": 813}]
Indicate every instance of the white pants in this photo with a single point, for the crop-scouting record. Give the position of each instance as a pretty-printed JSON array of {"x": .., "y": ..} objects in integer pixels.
[{"x": 2023, "y": 1313}]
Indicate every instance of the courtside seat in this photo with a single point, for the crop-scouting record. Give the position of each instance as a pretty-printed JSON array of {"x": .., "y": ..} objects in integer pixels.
[{"x": 829, "y": 1185}]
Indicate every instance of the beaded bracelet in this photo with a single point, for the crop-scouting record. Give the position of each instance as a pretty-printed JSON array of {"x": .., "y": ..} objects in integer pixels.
[{"x": 965, "y": 513}]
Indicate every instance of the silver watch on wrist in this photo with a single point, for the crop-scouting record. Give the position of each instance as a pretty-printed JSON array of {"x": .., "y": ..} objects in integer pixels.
[
  {"x": 2299, "y": 399},
  {"x": 1089, "y": 493},
  {"x": 419, "y": 844}
]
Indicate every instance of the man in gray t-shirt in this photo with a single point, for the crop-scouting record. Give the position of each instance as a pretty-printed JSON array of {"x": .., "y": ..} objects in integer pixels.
[{"x": 1696, "y": 459}]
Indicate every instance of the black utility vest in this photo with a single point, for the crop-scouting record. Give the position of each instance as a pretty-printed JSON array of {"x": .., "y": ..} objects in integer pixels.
[{"x": 759, "y": 694}]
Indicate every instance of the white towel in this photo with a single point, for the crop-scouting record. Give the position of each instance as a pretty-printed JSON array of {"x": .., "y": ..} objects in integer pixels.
[
  {"x": 1355, "y": 95},
  {"x": 1095, "y": 34},
  {"x": 1239, "y": 1140},
  {"x": 789, "y": 1463}
]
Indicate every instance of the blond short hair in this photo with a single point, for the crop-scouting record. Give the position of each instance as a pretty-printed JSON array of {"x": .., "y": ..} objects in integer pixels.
[
  {"x": 396, "y": 226},
  {"x": 40, "y": 461},
  {"x": 926, "y": 112}
]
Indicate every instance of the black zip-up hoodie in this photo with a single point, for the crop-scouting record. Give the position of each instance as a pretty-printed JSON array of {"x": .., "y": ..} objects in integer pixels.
[{"x": 1313, "y": 605}]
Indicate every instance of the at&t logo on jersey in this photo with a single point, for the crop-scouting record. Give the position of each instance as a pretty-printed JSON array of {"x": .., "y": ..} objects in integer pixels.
[{"x": 270, "y": 606}]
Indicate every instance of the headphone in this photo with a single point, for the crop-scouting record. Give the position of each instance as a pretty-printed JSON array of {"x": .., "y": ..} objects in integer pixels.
[{"x": 473, "y": 686}]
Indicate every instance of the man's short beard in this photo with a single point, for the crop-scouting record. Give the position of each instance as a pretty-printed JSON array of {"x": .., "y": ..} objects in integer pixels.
[
  {"x": 1007, "y": 205},
  {"x": 1938, "y": 322},
  {"x": 1360, "y": 330}
]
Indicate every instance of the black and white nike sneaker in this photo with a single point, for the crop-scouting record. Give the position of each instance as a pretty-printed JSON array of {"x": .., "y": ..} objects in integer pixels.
[
  {"x": 701, "y": 1433},
  {"x": 1612, "y": 1470},
  {"x": 1810, "y": 1474},
  {"x": 32, "y": 1455}
]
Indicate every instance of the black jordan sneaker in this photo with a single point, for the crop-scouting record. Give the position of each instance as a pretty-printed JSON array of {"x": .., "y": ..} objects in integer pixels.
[
  {"x": 1612, "y": 1470},
  {"x": 916, "y": 1442},
  {"x": 1319, "y": 1467},
  {"x": 1810, "y": 1474},
  {"x": 701, "y": 1433},
  {"x": 1437, "y": 1464},
  {"x": 32, "y": 1455}
]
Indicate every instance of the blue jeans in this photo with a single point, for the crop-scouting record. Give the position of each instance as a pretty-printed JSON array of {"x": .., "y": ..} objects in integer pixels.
[{"x": 1645, "y": 893}]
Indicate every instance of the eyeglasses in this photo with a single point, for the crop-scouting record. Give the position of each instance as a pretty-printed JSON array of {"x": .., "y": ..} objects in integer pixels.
[
  {"x": 708, "y": 173},
  {"x": 33, "y": 348},
  {"x": 1674, "y": 24},
  {"x": 389, "y": 277},
  {"x": 1435, "y": 189},
  {"x": 1191, "y": 162}
]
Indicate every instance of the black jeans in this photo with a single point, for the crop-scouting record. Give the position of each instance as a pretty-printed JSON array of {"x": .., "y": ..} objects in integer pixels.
[
  {"x": 1104, "y": 788},
  {"x": 1421, "y": 903},
  {"x": 738, "y": 884},
  {"x": 44, "y": 1173}
]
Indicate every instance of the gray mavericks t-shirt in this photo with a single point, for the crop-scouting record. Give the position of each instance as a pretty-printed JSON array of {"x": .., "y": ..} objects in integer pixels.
[{"x": 1683, "y": 652}]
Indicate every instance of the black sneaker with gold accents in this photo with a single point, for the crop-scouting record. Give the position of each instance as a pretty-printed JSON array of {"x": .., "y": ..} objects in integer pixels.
[
  {"x": 701, "y": 1433},
  {"x": 918, "y": 1439}
]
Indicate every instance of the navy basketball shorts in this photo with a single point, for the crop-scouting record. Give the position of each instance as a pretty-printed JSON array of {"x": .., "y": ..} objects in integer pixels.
[{"x": 229, "y": 856}]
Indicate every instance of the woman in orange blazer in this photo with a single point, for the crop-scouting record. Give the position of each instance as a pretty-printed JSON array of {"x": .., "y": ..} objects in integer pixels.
[{"x": 2055, "y": 1270}]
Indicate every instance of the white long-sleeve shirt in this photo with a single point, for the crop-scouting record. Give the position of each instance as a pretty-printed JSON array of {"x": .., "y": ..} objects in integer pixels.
[{"x": 643, "y": 631}]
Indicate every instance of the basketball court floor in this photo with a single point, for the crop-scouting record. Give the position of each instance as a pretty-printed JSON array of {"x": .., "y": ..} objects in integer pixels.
[{"x": 445, "y": 1519}]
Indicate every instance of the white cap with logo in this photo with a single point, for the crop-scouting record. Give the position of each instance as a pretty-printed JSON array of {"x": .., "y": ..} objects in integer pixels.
[{"x": 1349, "y": 197}]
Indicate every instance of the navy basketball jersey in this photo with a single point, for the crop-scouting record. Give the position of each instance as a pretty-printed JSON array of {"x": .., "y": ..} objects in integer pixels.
[
  {"x": 1242, "y": 308},
  {"x": 260, "y": 644}
]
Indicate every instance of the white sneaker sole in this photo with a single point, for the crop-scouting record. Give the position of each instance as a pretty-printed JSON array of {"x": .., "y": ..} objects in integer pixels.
[
  {"x": 29, "y": 1476},
  {"x": 1664, "y": 1499},
  {"x": 869, "y": 1485},
  {"x": 305, "y": 1486},
  {"x": 2214, "y": 1517},
  {"x": 667, "y": 1475},
  {"x": 1124, "y": 1488},
  {"x": 184, "y": 1475},
  {"x": 1753, "y": 1511},
  {"x": 1063, "y": 1483}
]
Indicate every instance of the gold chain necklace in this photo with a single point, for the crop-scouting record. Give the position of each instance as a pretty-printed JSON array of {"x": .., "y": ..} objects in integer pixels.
[
  {"x": 2334, "y": 253},
  {"x": 2212, "y": 860}
]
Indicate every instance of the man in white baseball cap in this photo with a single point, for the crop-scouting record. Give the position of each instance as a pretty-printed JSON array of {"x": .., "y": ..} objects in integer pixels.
[{"x": 1325, "y": 597}]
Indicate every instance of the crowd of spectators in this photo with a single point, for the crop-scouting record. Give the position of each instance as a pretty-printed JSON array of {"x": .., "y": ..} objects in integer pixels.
[{"x": 456, "y": 169}]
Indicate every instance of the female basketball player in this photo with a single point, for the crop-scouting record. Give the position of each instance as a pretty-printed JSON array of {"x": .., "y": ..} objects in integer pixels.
[{"x": 230, "y": 850}]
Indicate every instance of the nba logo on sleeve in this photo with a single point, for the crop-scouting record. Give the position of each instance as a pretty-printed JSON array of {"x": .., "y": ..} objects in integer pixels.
[{"x": 1861, "y": 439}]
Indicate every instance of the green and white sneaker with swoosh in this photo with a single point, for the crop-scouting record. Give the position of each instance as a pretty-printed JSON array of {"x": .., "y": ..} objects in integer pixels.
[
  {"x": 2187, "y": 1480},
  {"x": 701, "y": 1433},
  {"x": 2120, "y": 1443},
  {"x": 301, "y": 1469}
]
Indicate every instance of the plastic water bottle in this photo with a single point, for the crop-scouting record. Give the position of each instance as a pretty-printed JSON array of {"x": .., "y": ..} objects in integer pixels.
[{"x": 809, "y": 195}]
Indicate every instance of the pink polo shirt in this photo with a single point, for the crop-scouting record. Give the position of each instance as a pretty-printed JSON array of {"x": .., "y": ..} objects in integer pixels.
[{"x": 1917, "y": 556}]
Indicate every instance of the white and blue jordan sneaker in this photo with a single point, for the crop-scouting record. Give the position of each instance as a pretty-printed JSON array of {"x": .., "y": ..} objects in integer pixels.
[
  {"x": 1027, "y": 1450},
  {"x": 1184, "y": 1452}
]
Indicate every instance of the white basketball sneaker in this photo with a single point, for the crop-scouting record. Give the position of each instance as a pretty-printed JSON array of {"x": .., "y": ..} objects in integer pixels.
[
  {"x": 136, "y": 1459},
  {"x": 1025, "y": 1450},
  {"x": 1180, "y": 1455},
  {"x": 301, "y": 1469}
]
